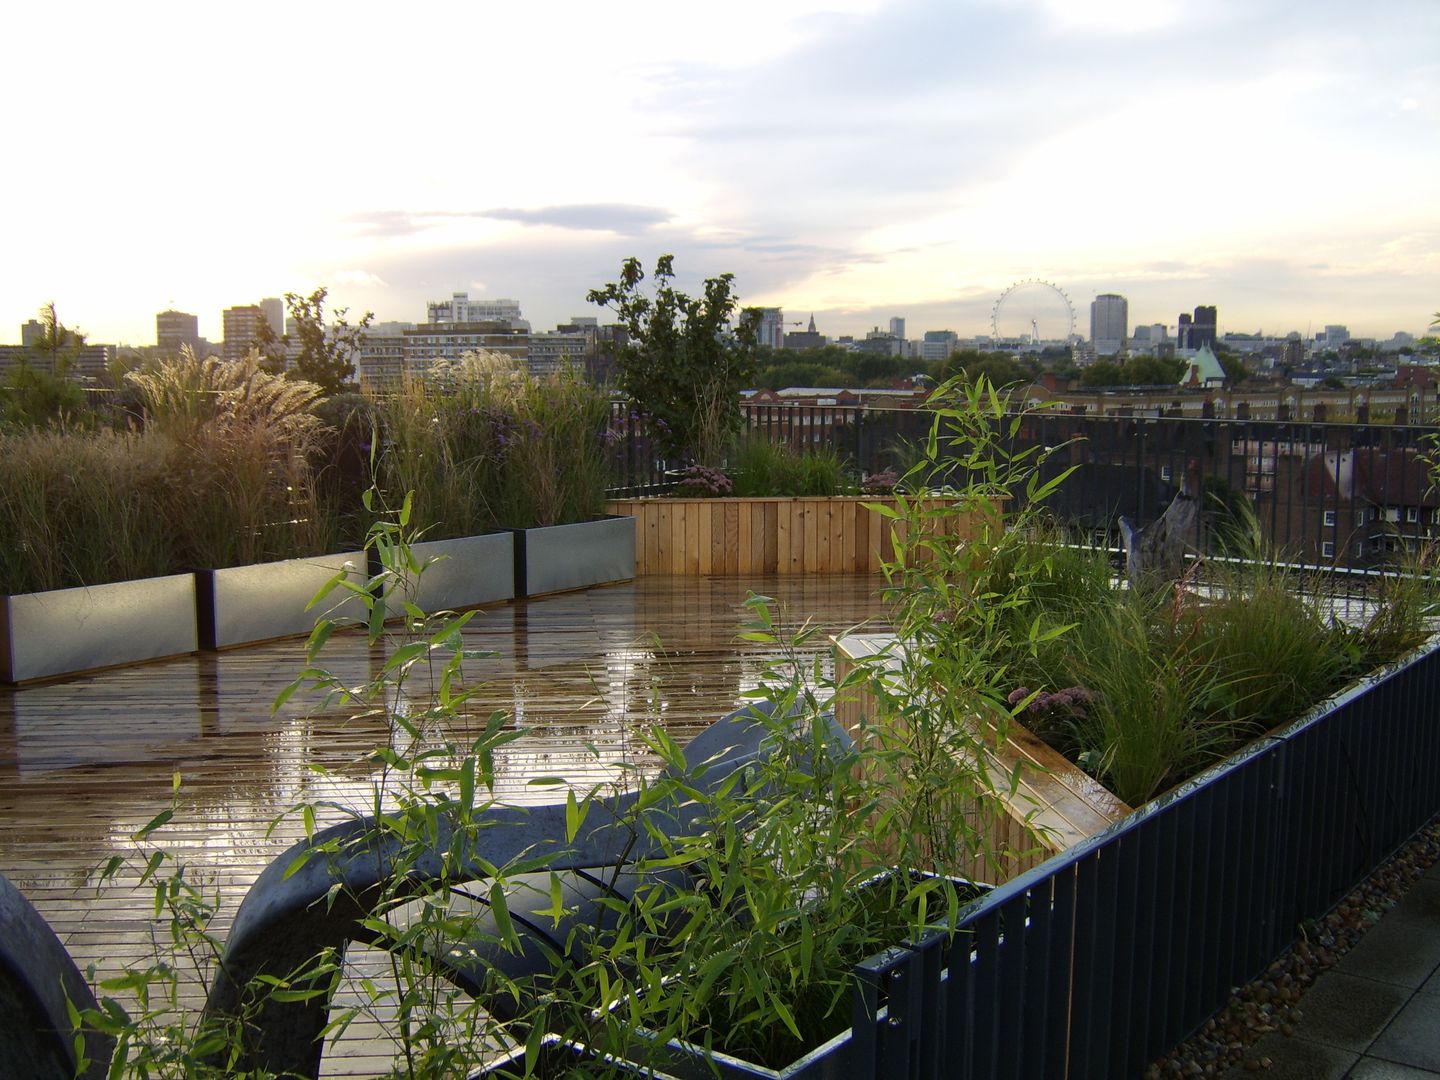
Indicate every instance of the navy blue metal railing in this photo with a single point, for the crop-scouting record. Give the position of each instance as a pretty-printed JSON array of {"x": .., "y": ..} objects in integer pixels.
[{"x": 1098, "y": 961}]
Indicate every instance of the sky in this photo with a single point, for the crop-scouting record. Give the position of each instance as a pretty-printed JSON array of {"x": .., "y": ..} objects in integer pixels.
[{"x": 854, "y": 159}]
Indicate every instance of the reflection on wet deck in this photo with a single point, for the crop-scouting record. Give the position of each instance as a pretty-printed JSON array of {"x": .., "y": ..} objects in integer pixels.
[{"x": 86, "y": 762}]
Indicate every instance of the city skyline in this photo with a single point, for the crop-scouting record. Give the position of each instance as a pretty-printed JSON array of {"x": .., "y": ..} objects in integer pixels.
[{"x": 847, "y": 158}]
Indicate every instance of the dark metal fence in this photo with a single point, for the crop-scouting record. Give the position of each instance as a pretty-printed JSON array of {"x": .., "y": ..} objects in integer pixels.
[
  {"x": 1335, "y": 495},
  {"x": 1103, "y": 958}
]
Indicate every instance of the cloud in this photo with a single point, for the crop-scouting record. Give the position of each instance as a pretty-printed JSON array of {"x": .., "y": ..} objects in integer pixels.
[
  {"x": 585, "y": 217},
  {"x": 359, "y": 277},
  {"x": 602, "y": 217}
]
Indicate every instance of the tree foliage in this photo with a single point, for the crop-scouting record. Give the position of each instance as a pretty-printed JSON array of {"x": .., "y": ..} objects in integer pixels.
[
  {"x": 327, "y": 354},
  {"x": 1136, "y": 371},
  {"x": 682, "y": 366},
  {"x": 995, "y": 368},
  {"x": 57, "y": 342}
]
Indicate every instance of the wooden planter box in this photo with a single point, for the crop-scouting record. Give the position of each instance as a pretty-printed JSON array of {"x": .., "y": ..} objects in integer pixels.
[
  {"x": 558, "y": 558},
  {"x": 1053, "y": 807},
  {"x": 97, "y": 626},
  {"x": 462, "y": 573},
  {"x": 736, "y": 537},
  {"x": 243, "y": 604}
]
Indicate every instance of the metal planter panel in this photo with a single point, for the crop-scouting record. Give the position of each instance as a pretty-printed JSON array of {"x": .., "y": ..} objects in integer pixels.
[
  {"x": 69, "y": 630},
  {"x": 561, "y": 557},
  {"x": 464, "y": 572},
  {"x": 241, "y": 604}
]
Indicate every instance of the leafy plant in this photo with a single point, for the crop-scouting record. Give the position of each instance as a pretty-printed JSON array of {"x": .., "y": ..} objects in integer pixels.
[
  {"x": 327, "y": 353},
  {"x": 80, "y": 508},
  {"x": 681, "y": 364},
  {"x": 764, "y": 468},
  {"x": 437, "y": 766},
  {"x": 481, "y": 444}
]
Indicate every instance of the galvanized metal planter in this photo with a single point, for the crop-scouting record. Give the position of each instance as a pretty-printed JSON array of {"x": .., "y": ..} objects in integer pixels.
[
  {"x": 243, "y": 604},
  {"x": 463, "y": 572},
  {"x": 96, "y": 626},
  {"x": 556, "y": 558}
]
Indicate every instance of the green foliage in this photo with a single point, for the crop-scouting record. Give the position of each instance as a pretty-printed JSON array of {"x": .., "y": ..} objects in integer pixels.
[
  {"x": 327, "y": 353},
  {"x": 681, "y": 366},
  {"x": 1136, "y": 371},
  {"x": 81, "y": 508},
  {"x": 31, "y": 397},
  {"x": 436, "y": 765},
  {"x": 767, "y": 468},
  {"x": 242, "y": 486},
  {"x": 221, "y": 475},
  {"x": 997, "y": 369},
  {"x": 830, "y": 365},
  {"x": 482, "y": 445}
]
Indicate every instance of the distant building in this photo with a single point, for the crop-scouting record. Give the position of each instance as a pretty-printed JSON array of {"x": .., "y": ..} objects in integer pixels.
[
  {"x": 32, "y": 333},
  {"x": 273, "y": 308},
  {"x": 242, "y": 328},
  {"x": 805, "y": 339},
  {"x": 1109, "y": 322},
  {"x": 1202, "y": 331},
  {"x": 380, "y": 360},
  {"x": 897, "y": 328},
  {"x": 174, "y": 329},
  {"x": 1203, "y": 370},
  {"x": 450, "y": 341},
  {"x": 551, "y": 350},
  {"x": 770, "y": 333},
  {"x": 938, "y": 344},
  {"x": 882, "y": 342},
  {"x": 461, "y": 309}
]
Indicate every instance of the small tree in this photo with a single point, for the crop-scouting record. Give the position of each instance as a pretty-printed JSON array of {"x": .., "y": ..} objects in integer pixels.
[
  {"x": 327, "y": 354},
  {"x": 57, "y": 341},
  {"x": 682, "y": 366}
]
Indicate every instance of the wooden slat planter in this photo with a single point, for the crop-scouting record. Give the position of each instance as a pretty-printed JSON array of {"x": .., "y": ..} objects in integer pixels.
[
  {"x": 737, "y": 537},
  {"x": 1053, "y": 807}
]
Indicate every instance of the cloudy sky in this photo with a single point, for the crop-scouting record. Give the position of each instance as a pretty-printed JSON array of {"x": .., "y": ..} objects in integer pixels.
[{"x": 853, "y": 158}]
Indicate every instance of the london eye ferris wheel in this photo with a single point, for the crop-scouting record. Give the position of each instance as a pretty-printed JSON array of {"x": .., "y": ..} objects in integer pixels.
[{"x": 1032, "y": 312}]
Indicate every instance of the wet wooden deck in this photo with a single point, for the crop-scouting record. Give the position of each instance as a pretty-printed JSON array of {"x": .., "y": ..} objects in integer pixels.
[{"x": 87, "y": 761}]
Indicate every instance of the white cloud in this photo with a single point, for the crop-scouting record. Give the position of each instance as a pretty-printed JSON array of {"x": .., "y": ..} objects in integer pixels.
[{"x": 359, "y": 278}]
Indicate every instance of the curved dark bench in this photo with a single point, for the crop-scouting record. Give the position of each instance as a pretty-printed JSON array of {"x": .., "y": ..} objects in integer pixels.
[
  {"x": 285, "y": 922},
  {"x": 37, "y": 976}
]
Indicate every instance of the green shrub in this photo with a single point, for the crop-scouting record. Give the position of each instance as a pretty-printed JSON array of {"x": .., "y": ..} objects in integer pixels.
[
  {"x": 83, "y": 508},
  {"x": 764, "y": 468},
  {"x": 483, "y": 445}
]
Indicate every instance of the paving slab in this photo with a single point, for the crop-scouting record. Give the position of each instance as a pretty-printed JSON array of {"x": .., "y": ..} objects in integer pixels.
[
  {"x": 1375, "y": 1069},
  {"x": 1402, "y": 949},
  {"x": 1348, "y": 1011},
  {"x": 1413, "y": 1037},
  {"x": 1295, "y": 1059}
]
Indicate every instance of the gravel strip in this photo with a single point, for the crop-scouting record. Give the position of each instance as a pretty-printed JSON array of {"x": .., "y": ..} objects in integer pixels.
[{"x": 1272, "y": 1002}]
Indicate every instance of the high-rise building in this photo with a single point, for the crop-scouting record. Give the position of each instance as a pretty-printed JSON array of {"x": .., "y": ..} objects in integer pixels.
[
  {"x": 1182, "y": 332},
  {"x": 273, "y": 308},
  {"x": 32, "y": 333},
  {"x": 461, "y": 309},
  {"x": 897, "y": 328},
  {"x": 770, "y": 332},
  {"x": 1109, "y": 321},
  {"x": 176, "y": 328},
  {"x": 1202, "y": 331},
  {"x": 242, "y": 329}
]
